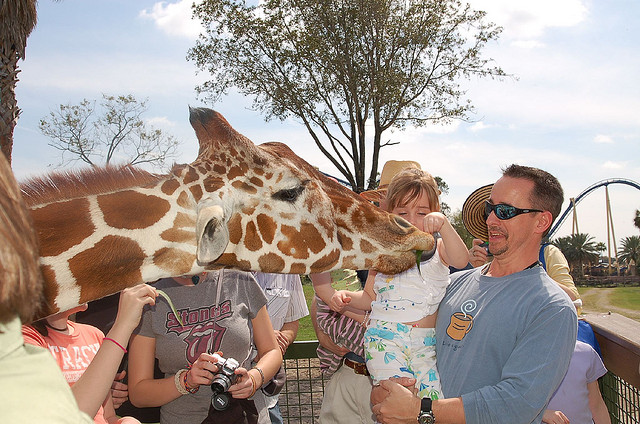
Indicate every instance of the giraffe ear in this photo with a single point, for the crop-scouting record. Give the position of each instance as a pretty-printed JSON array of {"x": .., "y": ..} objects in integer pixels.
[{"x": 212, "y": 232}]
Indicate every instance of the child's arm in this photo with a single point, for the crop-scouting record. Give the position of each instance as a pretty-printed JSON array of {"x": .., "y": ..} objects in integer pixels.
[
  {"x": 597, "y": 405},
  {"x": 322, "y": 286},
  {"x": 452, "y": 249},
  {"x": 554, "y": 417},
  {"x": 360, "y": 299}
]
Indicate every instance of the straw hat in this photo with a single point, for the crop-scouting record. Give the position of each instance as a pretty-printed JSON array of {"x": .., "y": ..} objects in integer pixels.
[
  {"x": 473, "y": 212},
  {"x": 389, "y": 170}
]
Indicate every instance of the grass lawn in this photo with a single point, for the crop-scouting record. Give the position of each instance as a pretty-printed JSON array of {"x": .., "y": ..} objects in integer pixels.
[{"x": 622, "y": 300}]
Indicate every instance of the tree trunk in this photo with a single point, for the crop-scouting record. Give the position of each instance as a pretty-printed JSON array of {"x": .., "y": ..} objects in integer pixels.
[{"x": 9, "y": 111}]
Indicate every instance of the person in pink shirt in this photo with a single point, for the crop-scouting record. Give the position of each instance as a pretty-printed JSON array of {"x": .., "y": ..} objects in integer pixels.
[{"x": 73, "y": 345}]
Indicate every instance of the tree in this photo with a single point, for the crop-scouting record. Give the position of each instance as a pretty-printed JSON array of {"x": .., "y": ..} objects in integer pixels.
[
  {"x": 636, "y": 220},
  {"x": 344, "y": 68},
  {"x": 17, "y": 20},
  {"x": 458, "y": 225},
  {"x": 578, "y": 249},
  {"x": 629, "y": 253},
  {"x": 118, "y": 134}
]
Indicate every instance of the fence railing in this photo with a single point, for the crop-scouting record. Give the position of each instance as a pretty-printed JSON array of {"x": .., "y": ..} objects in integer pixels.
[{"x": 618, "y": 336}]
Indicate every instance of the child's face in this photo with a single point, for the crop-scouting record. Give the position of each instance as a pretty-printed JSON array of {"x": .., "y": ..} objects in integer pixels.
[{"x": 414, "y": 211}]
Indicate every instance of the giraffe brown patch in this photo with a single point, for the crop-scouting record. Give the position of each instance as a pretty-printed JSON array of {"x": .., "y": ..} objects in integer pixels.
[
  {"x": 175, "y": 261},
  {"x": 326, "y": 262},
  {"x": 234, "y": 172},
  {"x": 327, "y": 224},
  {"x": 267, "y": 227},
  {"x": 233, "y": 152},
  {"x": 271, "y": 262},
  {"x": 72, "y": 215},
  {"x": 260, "y": 160},
  {"x": 179, "y": 236},
  {"x": 345, "y": 241},
  {"x": 249, "y": 210},
  {"x": 349, "y": 262},
  {"x": 256, "y": 181},
  {"x": 183, "y": 220},
  {"x": 213, "y": 183},
  {"x": 366, "y": 247},
  {"x": 196, "y": 192},
  {"x": 183, "y": 199},
  {"x": 169, "y": 187},
  {"x": 258, "y": 171},
  {"x": 252, "y": 239},
  {"x": 241, "y": 185},
  {"x": 132, "y": 210},
  {"x": 268, "y": 175},
  {"x": 110, "y": 265},
  {"x": 287, "y": 216},
  {"x": 190, "y": 176},
  {"x": 230, "y": 259},
  {"x": 361, "y": 219},
  {"x": 298, "y": 268},
  {"x": 235, "y": 228},
  {"x": 50, "y": 290},
  {"x": 219, "y": 169}
]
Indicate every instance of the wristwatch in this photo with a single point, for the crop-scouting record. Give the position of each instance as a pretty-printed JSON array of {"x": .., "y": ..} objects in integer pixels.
[{"x": 426, "y": 414}]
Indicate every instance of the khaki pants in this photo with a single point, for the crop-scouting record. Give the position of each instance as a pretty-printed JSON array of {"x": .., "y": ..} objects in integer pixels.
[{"x": 347, "y": 399}]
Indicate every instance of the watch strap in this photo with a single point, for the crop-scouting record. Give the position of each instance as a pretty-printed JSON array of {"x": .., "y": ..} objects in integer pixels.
[{"x": 425, "y": 405}]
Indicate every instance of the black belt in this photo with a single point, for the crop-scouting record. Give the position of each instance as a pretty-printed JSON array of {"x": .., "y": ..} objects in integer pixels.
[{"x": 358, "y": 367}]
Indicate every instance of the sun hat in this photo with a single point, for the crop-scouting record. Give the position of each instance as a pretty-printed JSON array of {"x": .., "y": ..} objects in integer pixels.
[
  {"x": 390, "y": 169},
  {"x": 473, "y": 212}
]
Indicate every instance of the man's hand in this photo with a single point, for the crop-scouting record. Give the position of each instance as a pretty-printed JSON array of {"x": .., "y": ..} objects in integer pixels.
[
  {"x": 119, "y": 390},
  {"x": 401, "y": 404}
]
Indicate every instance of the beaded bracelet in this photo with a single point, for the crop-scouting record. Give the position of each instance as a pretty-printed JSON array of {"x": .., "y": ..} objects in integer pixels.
[
  {"x": 177, "y": 381},
  {"x": 186, "y": 386},
  {"x": 261, "y": 376}
]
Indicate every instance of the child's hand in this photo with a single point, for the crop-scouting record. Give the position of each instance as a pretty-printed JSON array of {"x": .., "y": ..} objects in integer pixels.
[
  {"x": 132, "y": 300},
  {"x": 554, "y": 417},
  {"x": 433, "y": 222},
  {"x": 339, "y": 300}
]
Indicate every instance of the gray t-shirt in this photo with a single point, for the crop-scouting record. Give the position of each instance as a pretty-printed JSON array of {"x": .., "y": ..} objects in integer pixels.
[
  {"x": 208, "y": 327},
  {"x": 504, "y": 344}
]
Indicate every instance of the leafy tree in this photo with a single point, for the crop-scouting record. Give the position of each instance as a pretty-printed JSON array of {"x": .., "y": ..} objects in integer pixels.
[
  {"x": 458, "y": 225},
  {"x": 117, "y": 134},
  {"x": 17, "y": 20},
  {"x": 578, "y": 249},
  {"x": 636, "y": 220},
  {"x": 346, "y": 68},
  {"x": 629, "y": 253}
]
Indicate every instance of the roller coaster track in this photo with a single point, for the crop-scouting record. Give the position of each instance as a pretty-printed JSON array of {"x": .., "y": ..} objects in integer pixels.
[{"x": 582, "y": 195}]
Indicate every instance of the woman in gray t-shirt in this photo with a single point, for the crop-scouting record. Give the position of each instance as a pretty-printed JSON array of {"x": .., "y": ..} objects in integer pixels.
[{"x": 218, "y": 314}]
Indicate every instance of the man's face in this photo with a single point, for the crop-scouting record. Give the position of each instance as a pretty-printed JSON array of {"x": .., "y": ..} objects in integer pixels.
[{"x": 508, "y": 235}]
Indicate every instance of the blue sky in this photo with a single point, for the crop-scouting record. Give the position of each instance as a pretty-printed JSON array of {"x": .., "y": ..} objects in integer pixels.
[{"x": 573, "y": 109}]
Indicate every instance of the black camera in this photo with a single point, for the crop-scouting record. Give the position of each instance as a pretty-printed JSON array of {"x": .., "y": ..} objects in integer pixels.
[{"x": 224, "y": 378}]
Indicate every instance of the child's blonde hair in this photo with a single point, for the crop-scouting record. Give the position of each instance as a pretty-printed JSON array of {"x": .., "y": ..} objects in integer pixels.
[{"x": 408, "y": 185}]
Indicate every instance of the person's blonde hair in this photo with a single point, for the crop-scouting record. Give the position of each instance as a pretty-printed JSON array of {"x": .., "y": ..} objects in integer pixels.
[
  {"x": 408, "y": 185},
  {"x": 21, "y": 287}
]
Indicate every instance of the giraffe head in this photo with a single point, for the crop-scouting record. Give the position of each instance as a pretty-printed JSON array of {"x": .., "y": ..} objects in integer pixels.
[{"x": 264, "y": 208}]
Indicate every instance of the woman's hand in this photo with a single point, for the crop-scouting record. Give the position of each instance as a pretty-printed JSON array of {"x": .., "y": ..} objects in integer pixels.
[
  {"x": 244, "y": 385},
  {"x": 202, "y": 370}
]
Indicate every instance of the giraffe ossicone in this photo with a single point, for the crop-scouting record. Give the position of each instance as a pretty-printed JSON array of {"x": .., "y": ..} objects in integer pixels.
[{"x": 237, "y": 205}]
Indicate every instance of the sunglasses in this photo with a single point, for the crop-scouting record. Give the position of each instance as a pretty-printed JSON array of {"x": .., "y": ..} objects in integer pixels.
[{"x": 503, "y": 211}]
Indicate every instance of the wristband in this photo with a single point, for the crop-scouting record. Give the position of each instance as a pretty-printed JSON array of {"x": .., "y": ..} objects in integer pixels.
[
  {"x": 261, "y": 376},
  {"x": 186, "y": 386},
  {"x": 254, "y": 385},
  {"x": 178, "y": 382},
  {"x": 117, "y": 344}
]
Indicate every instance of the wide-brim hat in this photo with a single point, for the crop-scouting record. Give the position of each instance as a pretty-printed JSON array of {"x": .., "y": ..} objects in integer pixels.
[
  {"x": 473, "y": 213},
  {"x": 390, "y": 169}
]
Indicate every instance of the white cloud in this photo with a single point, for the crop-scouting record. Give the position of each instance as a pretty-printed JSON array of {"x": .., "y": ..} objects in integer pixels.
[
  {"x": 601, "y": 138},
  {"x": 479, "y": 126},
  {"x": 160, "y": 121},
  {"x": 174, "y": 19},
  {"x": 524, "y": 21},
  {"x": 614, "y": 165}
]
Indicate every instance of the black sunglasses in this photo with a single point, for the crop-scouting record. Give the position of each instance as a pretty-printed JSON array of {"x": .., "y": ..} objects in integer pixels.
[{"x": 503, "y": 211}]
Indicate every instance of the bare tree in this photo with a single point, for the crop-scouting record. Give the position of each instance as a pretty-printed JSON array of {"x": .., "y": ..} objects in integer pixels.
[
  {"x": 117, "y": 134},
  {"x": 348, "y": 70}
]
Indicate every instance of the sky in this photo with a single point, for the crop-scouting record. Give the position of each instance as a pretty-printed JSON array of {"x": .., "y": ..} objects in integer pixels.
[{"x": 571, "y": 107}]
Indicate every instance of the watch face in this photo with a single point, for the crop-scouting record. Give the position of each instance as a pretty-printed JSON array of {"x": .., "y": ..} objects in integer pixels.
[{"x": 426, "y": 418}]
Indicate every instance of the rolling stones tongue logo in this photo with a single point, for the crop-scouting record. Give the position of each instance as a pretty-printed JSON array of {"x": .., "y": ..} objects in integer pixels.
[{"x": 202, "y": 338}]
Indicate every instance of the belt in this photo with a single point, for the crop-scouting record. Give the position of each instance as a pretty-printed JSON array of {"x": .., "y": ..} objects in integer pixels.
[{"x": 358, "y": 367}]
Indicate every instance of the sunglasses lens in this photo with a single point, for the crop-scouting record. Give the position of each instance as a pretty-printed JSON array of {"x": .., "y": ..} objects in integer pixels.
[{"x": 505, "y": 212}]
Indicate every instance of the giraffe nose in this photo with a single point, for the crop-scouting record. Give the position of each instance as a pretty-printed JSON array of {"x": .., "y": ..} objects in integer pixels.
[{"x": 402, "y": 224}]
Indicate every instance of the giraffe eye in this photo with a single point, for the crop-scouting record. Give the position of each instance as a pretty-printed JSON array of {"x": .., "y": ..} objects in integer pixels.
[{"x": 290, "y": 195}]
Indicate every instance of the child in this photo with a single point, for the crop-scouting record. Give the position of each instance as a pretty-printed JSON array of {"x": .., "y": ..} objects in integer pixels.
[
  {"x": 400, "y": 336},
  {"x": 578, "y": 399}
]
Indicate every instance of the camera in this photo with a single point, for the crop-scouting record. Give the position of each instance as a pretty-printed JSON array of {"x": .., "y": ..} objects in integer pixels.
[
  {"x": 485, "y": 245},
  {"x": 224, "y": 378}
]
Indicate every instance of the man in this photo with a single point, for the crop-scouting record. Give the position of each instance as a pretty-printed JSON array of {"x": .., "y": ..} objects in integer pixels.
[
  {"x": 505, "y": 331},
  {"x": 286, "y": 304}
]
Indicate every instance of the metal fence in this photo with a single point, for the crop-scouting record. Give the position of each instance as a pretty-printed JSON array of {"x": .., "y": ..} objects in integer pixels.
[{"x": 301, "y": 398}]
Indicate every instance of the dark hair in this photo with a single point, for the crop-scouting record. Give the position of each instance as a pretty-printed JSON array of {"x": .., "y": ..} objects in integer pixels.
[
  {"x": 547, "y": 192},
  {"x": 21, "y": 288}
]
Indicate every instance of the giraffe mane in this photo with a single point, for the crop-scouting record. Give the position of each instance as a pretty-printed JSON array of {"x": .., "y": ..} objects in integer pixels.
[{"x": 69, "y": 184}]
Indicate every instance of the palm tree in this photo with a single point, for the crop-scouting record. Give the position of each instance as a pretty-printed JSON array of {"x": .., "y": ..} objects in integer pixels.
[
  {"x": 636, "y": 220},
  {"x": 17, "y": 20},
  {"x": 630, "y": 253},
  {"x": 578, "y": 249}
]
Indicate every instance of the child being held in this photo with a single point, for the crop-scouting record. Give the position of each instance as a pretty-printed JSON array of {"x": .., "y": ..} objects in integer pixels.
[{"x": 400, "y": 337}]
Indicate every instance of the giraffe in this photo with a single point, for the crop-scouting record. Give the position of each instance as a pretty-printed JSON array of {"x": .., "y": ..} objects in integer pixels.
[{"x": 238, "y": 205}]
